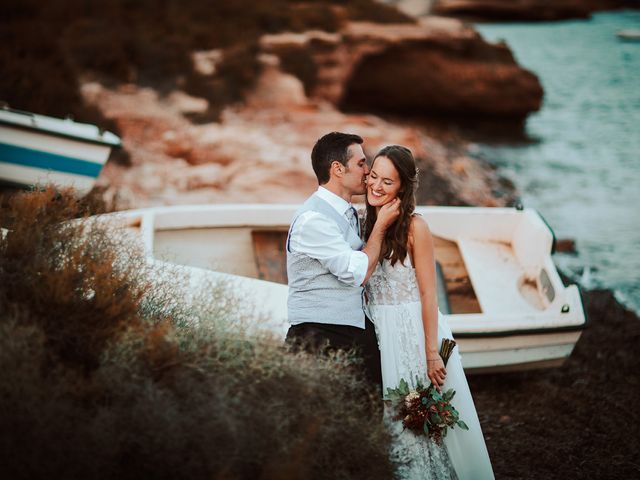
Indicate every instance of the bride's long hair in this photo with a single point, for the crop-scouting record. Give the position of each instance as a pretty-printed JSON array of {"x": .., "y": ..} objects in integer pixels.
[{"x": 395, "y": 243}]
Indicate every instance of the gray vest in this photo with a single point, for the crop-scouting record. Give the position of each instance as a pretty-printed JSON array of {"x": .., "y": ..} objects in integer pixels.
[{"x": 315, "y": 294}]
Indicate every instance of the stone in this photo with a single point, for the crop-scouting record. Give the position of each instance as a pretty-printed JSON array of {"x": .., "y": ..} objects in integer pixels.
[
  {"x": 436, "y": 66},
  {"x": 186, "y": 104},
  {"x": 276, "y": 89}
]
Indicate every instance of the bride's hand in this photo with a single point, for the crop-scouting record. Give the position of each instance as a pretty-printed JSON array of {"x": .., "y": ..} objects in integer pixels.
[
  {"x": 388, "y": 213},
  {"x": 435, "y": 370}
]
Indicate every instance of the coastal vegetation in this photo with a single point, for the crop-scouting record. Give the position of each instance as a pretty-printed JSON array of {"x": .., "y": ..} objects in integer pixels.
[{"x": 108, "y": 371}]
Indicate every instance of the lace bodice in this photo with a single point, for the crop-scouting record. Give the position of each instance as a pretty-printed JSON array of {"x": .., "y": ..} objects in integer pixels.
[{"x": 393, "y": 285}]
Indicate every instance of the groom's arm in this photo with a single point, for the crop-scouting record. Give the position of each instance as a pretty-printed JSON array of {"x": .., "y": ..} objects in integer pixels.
[
  {"x": 317, "y": 236},
  {"x": 372, "y": 250}
]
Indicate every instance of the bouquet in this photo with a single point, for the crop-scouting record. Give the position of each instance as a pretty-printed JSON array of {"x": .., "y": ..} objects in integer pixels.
[{"x": 426, "y": 411}]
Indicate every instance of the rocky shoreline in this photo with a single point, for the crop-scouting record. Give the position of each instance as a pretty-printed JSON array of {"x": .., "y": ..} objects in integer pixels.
[
  {"x": 258, "y": 150},
  {"x": 262, "y": 155},
  {"x": 527, "y": 10}
]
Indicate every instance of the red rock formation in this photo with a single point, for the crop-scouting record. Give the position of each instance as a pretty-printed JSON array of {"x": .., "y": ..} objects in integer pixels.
[
  {"x": 540, "y": 10},
  {"x": 438, "y": 65},
  {"x": 259, "y": 152}
]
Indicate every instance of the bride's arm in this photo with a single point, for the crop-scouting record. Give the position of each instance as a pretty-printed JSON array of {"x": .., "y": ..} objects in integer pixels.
[
  {"x": 386, "y": 216},
  {"x": 424, "y": 263}
]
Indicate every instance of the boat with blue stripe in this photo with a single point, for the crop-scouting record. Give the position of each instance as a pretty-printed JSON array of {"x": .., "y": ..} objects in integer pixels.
[{"x": 37, "y": 149}]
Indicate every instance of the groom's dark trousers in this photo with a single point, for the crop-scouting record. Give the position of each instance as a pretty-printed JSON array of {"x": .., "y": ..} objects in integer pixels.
[{"x": 324, "y": 338}]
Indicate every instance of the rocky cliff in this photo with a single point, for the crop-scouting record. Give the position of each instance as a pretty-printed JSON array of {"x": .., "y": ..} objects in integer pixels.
[
  {"x": 258, "y": 150},
  {"x": 538, "y": 10},
  {"x": 437, "y": 66}
]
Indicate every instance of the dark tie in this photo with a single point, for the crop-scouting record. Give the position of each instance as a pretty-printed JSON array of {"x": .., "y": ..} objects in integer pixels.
[{"x": 352, "y": 216}]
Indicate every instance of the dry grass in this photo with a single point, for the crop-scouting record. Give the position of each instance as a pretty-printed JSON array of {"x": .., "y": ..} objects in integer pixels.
[{"x": 108, "y": 372}]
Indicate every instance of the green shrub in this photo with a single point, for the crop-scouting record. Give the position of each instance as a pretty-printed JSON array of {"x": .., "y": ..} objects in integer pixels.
[{"x": 111, "y": 370}]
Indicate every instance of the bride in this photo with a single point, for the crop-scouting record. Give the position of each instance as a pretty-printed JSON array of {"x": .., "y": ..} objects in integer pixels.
[{"x": 409, "y": 327}]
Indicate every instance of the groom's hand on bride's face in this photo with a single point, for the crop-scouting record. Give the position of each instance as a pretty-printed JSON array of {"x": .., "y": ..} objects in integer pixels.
[{"x": 388, "y": 213}]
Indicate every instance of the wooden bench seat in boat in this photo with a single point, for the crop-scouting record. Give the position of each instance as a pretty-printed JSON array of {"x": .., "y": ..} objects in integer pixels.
[{"x": 270, "y": 257}]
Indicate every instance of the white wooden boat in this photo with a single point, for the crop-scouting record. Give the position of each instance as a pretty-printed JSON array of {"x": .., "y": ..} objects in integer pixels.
[
  {"x": 36, "y": 149},
  {"x": 630, "y": 35},
  {"x": 504, "y": 300}
]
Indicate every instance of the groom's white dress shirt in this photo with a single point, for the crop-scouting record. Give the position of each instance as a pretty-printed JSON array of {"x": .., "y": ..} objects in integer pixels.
[{"x": 317, "y": 236}]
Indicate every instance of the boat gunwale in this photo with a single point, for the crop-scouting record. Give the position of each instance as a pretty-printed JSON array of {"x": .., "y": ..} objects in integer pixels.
[
  {"x": 162, "y": 213},
  {"x": 67, "y": 136},
  {"x": 524, "y": 332}
]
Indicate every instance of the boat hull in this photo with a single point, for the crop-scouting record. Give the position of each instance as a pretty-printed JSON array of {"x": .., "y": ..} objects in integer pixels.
[
  {"x": 481, "y": 352},
  {"x": 32, "y": 158},
  {"x": 524, "y": 316},
  {"x": 516, "y": 353},
  {"x": 36, "y": 149}
]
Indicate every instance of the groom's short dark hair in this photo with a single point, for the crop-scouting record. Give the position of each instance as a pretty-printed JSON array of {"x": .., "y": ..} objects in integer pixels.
[{"x": 330, "y": 148}]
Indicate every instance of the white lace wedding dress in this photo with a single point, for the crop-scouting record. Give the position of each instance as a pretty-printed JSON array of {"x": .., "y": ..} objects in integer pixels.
[{"x": 394, "y": 306}]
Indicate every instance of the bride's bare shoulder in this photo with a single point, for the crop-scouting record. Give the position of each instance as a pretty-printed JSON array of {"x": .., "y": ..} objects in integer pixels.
[{"x": 419, "y": 225}]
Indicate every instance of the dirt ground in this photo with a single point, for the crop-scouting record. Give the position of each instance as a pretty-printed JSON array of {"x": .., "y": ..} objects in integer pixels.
[{"x": 578, "y": 421}]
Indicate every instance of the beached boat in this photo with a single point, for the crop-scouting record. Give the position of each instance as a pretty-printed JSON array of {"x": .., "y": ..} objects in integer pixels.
[
  {"x": 502, "y": 294},
  {"x": 36, "y": 149}
]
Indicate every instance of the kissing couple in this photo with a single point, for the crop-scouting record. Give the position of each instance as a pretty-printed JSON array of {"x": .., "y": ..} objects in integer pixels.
[{"x": 375, "y": 293}]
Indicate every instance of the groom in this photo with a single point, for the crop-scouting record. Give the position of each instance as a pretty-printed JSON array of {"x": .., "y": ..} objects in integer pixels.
[{"x": 327, "y": 265}]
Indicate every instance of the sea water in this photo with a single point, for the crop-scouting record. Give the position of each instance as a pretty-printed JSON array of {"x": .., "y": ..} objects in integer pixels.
[{"x": 581, "y": 170}]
